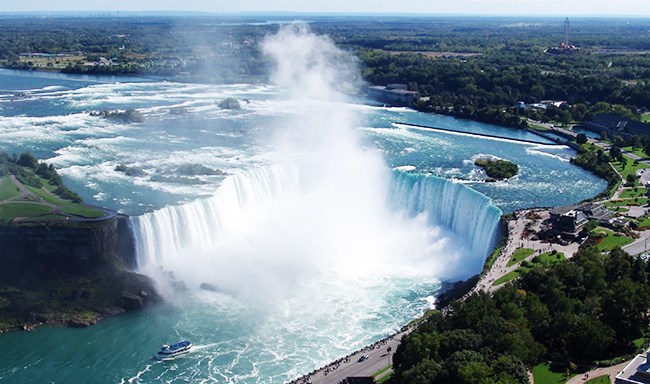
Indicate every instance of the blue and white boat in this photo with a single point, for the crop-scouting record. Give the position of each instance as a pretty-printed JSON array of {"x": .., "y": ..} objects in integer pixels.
[{"x": 171, "y": 351}]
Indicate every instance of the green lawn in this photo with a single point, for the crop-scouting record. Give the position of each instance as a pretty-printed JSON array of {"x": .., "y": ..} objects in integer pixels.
[
  {"x": 49, "y": 198},
  {"x": 379, "y": 372},
  {"x": 46, "y": 184},
  {"x": 85, "y": 212},
  {"x": 491, "y": 259},
  {"x": 604, "y": 379},
  {"x": 386, "y": 378},
  {"x": 645, "y": 117},
  {"x": 8, "y": 189},
  {"x": 637, "y": 151},
  {"x": 549, "y": 257},
  {"x": 544, "y": 374},
  {"x": 629, "y": 193},
  {"x": 590, "y": 147},
  {"x": 53, "y": 217},
  {"x": 627, "y": 202},
  {"x": 11, "y": 210},
  {"x": 612, "y": 240},
  {"x": 519, "y": 255},
  {"x": 510, "y": 276},
  {"x": 629, "y": 168},
  {"x": 546, "y": 258},
  {"x": 644, "y": 222}
]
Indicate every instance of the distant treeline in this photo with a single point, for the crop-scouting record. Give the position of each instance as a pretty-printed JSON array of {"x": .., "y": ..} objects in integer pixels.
[
  {"x": 508, "y": 62},
  {"x": 480, "y": 87}
]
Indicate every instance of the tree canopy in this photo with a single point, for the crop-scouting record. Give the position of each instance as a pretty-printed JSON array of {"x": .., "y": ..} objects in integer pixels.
[{"x": 591, "y": 307}]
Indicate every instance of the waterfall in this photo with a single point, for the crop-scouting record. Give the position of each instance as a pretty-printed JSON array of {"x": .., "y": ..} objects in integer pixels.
[
  {"x": 163, "y": 234},
  {"x": 449, "y": 204}
]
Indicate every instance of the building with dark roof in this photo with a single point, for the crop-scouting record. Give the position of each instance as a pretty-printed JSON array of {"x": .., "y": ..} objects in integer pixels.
[
  {"x": 570, "y": 218},
  {"x": 613, "y": 124},
  {"x": 394, "y": 94}
]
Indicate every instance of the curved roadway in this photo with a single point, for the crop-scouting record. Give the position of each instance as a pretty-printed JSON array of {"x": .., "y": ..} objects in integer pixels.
[{"x": 26, "y": 196}]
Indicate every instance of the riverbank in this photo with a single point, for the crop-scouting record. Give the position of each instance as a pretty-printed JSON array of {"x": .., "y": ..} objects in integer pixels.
[
  {"x": 78, "y": 302},
  {"x": 521, "y": 225}
]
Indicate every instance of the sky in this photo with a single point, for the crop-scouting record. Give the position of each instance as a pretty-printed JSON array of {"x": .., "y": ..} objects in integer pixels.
[{"x": 433, "y": 7}]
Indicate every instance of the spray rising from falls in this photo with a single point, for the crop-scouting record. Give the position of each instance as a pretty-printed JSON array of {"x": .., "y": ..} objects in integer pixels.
[
  {"x": 163, "y": 234},
  {"x": 329, "y": 210},
  {"x": 184, "y": 235}
]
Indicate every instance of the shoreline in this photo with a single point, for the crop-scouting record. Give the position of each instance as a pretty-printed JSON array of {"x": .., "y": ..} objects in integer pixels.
[{"x": 512, "y": 239}]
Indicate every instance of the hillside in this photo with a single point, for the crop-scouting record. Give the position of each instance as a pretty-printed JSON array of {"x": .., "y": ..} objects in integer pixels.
[{"x": 62, "y": 262}]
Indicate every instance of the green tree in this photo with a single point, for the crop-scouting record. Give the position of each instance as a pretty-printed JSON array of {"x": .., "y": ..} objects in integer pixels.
[
  {"x": 591, "y": 225},
  {"x": 424, "y": 372},
  {"x": 565, "y": 118},
  {"x": 27, "y": 160},
  {"x": 625, "y": 309}
]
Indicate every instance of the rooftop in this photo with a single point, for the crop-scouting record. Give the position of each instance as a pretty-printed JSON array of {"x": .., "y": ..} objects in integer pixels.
[{"x": 635, "y": 371}]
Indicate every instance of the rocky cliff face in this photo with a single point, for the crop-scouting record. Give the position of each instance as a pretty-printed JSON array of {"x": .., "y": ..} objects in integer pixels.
[
  {"x": 72, "y": 273},
  {"x": 31, "y": 254}
]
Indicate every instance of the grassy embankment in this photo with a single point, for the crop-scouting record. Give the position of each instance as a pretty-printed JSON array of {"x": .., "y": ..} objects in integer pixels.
[
  {"x": 548, "y": 374},
  {"x": 604, "y": 379},
  {"x": 522, "y": 253},
  {"x": 612, "y": 240},
  {"x": 8, "y": 189},
  {"x": 52, "y": 62},
  {"x": 386, "y": 377},
  {"x": 33, "y": 204}
]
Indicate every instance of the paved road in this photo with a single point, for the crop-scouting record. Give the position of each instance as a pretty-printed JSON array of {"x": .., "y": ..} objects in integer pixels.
[
  {"x": 26, "y": 196},
  {"x": 350, "y": 366},
  {"x": 380, "y": 358},
  {"x": 609, "y": 371},
  {"x": 640, "y": 245},
  {"x": 516, "y": 240}
]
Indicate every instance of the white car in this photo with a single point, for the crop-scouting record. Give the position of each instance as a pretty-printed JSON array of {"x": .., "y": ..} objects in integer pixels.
[{"x": 363, "y": 358}]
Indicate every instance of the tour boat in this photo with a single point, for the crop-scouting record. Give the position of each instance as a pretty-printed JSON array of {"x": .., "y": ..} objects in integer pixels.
[{"x": 170, "y": 351}]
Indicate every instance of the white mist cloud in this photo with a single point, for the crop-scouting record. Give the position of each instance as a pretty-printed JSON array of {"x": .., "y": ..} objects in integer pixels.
[
  {"x": 308, "y": 65},
  {"x": 320, "y": 221}
]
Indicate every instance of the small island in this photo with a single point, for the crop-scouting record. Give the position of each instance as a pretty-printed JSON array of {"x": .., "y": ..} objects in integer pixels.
[
  {"x": 230, "y": 103},
  {"x": 127, "y": 117},
  {"x": 498, "y": 169}
]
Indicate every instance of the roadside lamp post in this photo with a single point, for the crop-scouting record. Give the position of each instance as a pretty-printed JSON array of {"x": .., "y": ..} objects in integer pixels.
[{"x": 388, "y": 355}]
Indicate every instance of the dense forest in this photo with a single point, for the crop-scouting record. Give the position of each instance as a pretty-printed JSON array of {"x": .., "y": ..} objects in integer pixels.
[
  {"x": 476, "y": 68},
  {"x": 576, "y": 312}
]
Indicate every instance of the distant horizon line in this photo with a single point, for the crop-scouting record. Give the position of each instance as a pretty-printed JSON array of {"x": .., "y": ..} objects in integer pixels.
[{"x": 107, "y": 13}]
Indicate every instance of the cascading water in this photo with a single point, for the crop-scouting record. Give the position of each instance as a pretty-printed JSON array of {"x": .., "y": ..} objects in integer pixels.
[
  {"x": 320, "y": 239},
  {"x": 327, "y": 201},
  {"x": 317, "y": 249},
  {"x": 162, "y": 234},
  {"x": 450, "y": 204}
]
